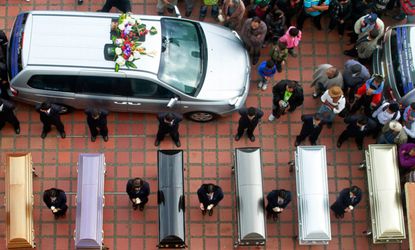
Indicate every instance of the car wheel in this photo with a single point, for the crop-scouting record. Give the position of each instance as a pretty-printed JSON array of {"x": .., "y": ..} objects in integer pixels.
[{"x": 201, "y": 116}]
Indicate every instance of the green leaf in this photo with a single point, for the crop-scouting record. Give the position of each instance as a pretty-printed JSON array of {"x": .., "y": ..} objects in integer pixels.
[
  {"x": 117, "y": 67},
  {"x": 130, "y": 64},
  {"x": 153, "y": 30}
]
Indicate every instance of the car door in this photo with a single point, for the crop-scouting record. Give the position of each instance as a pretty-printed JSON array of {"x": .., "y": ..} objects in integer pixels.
[
  {"x": 109, "y": 91},
  {"x": 150, "y": 97}
]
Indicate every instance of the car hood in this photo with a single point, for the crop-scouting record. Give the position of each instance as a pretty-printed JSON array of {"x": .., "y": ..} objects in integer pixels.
[{"x": 228, "y": 65}]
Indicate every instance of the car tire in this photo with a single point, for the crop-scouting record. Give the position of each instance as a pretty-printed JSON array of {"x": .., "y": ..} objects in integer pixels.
[{"x": 201, "y": 116}]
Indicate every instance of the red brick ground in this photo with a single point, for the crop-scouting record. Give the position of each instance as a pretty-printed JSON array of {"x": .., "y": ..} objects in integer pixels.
[{"x": 208, "y": 157}]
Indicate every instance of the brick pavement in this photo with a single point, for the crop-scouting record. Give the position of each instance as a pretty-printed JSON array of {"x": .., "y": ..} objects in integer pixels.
[{"x": 207, "y": 153}]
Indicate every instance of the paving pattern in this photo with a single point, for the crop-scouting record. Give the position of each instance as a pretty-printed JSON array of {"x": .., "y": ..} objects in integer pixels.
[{"x": 208, "y": 156}]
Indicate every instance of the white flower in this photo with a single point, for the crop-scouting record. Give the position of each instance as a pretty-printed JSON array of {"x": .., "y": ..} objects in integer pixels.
[
  {"x": 118, "y": 51},
  {"x": 119, "y": 41},
  {"x": 131, "y": 21},
  {"x": 131, "y": 58},
  {"x": 120, "y": 61},
  {"x": 121, "y": 26},
  {"x": 136, "y": 54}
]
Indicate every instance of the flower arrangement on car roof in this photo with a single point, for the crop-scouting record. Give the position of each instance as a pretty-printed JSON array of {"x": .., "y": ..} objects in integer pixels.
[{"x": 127, "y": 36}]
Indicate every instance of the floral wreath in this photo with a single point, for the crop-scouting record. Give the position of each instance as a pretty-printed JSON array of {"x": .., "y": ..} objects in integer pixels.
[{"x": 127, "y": 36}]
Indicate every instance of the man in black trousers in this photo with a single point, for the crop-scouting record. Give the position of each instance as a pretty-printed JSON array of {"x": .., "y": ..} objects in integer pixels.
[
  {"x": 209, "y": 196},
  {"x": 7, "y": 115},
  {"x": 55, "y": 200},
  {"x": 248, "y": 121},
  {"x": 123, "y": 5},
  {"x": 168, "y": 124},
  {"x": 97, "y": 120},
  {"x": 358, "y": 127},
  {"x": 50, "y": 115},
  {"x": 277, "y": 202},
  {"x": 138, "y": 190},
  {"x": 312, "y": 126},
  {"x": 347, "y": 201}
]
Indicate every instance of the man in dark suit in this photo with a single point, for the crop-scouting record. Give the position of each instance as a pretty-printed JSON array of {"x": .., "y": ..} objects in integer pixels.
[
  {"x": 7, "y": 115},
  {"x": 287, "y": 95},
  {"x": 277, "y": 202},
  {"x": 358, "y": 127},
  {"x": 138, "y": 190},
  {"x": 50, "y": 115},
  {"x": 123, "y": 5},
  {"x": 347, "y": 200},
  {"x": 97, "y": 120},
  {"x": 312, "y": 126},
  {"x": 168, "y": 124},
  {"x": 209, "y": 196},
  {"x": 55, "y": 200},
  {"x": 248, "y": 121}
]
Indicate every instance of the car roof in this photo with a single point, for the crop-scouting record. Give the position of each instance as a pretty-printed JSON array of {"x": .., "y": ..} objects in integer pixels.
[{"x": 77, "y": 39}]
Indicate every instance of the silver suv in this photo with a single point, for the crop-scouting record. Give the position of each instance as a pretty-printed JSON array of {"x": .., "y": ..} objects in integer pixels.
[{"x": 198, "y": 69}]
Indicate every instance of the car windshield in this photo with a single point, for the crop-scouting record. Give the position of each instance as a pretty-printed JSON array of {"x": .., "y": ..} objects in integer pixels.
[
  {"x": 181, "y": 64},
  {"x": 403, "y": 54}
]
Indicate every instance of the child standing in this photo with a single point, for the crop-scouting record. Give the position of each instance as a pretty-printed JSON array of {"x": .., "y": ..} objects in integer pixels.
[
  {"x": 292, "y": 37},
  {"x": 266, "y": 70},
  {"x": 279, "y": 54}
]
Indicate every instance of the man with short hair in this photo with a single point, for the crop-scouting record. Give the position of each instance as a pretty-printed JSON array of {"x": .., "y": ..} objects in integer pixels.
[
  {"x": 314, "y": 9},
  {"x": 209, "y": 196},
  {"x": 50, "y": 115},
  {"x": 7, "y": 115},
  {"x": 168, "y": 124},
  {"x": 287, "y": 96},
  {"x": 277, "y": 201},
  {"x": 386, "y": 112},
  {"x": 123, "y": 5},
  {"x": 253, "y": 34},
  {"x": 312, "y": 126},
  {"x": 55, "y": 200},
  {"x": 249, "y": 120},
  {"x": 97, "y": 121},
  {"x": 354, "y": 75},
  {"x": 138, "y": 191},
  {"x": 358, "y": 127},
  {"x": 325, "y": 76}
]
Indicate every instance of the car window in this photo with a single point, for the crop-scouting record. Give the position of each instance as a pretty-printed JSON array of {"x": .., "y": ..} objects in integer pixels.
[
  {"x": 182, "y": 60},
  {"x": 401, "y": 46},
  {"x": 104, "y": 85},
  {"x": 53, "y": 82},
  {"x": 147, "y": 89}
]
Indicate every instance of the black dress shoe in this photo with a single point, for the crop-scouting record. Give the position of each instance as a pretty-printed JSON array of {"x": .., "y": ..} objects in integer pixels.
[
  {"x": 339, "y": 144},
  {"x": 255, "y": 60},
  {"x": 63, "y": 135},
  {"x": 178, "y": 144},
  {"x": 43, "y": 135},
  {"x": 80, "y": 2},
  {"x": 157, "y": 143},
  {"x": 297, "y": 143},
  {"x": 211, "y": 212},
  {"x": 135, "y": 207},
  {"x": 252, "y": 138},
  {"x": 17, "y": 131},
  {"x": 237, "y": 137},
  {"x": 274, "y": 216},
  {"x": 188, "y": 13},
  {"x": 105, "y": 138},
  {"x": 204, "y": 212},
  {"x": 93, "y": 138},
  {"x": 141, "y": 207}
]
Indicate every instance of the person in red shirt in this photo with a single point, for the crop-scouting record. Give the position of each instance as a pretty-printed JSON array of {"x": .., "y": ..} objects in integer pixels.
[{"x": 369, "y": 95}]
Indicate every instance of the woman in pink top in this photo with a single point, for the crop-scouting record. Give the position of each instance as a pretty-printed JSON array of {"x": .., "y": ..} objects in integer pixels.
[{"x": 292, "y": 37}]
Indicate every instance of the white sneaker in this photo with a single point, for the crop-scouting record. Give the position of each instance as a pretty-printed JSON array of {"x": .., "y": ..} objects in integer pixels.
[
  {"x": 271, "y": 117},
  {"x": 264, "y": 86},
  {"x": 260, "y": 84}
]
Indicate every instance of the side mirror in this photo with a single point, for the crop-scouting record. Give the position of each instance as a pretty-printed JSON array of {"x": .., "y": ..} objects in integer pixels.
[{"x": 172, "y": 102}]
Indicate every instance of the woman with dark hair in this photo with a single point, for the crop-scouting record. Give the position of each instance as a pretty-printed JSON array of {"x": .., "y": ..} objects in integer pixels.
[
  {"x": 138, "y": 190},
  {"x": 55, "y": 200},
  {"x": 233, "y": 13},
  {"x": 347, "y": 200},
  {"x": 277, "y": 202},
  {"x": 209, "y": 196}
]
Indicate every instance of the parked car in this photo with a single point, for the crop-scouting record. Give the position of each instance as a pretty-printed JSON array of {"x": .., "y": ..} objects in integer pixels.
[
  {"x": 395, "y": 60},
  {"x": 198, "y": 69}
]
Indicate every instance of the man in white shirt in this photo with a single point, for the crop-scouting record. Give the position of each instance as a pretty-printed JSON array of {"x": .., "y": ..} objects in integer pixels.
[{"x": 387, "y": 112}]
